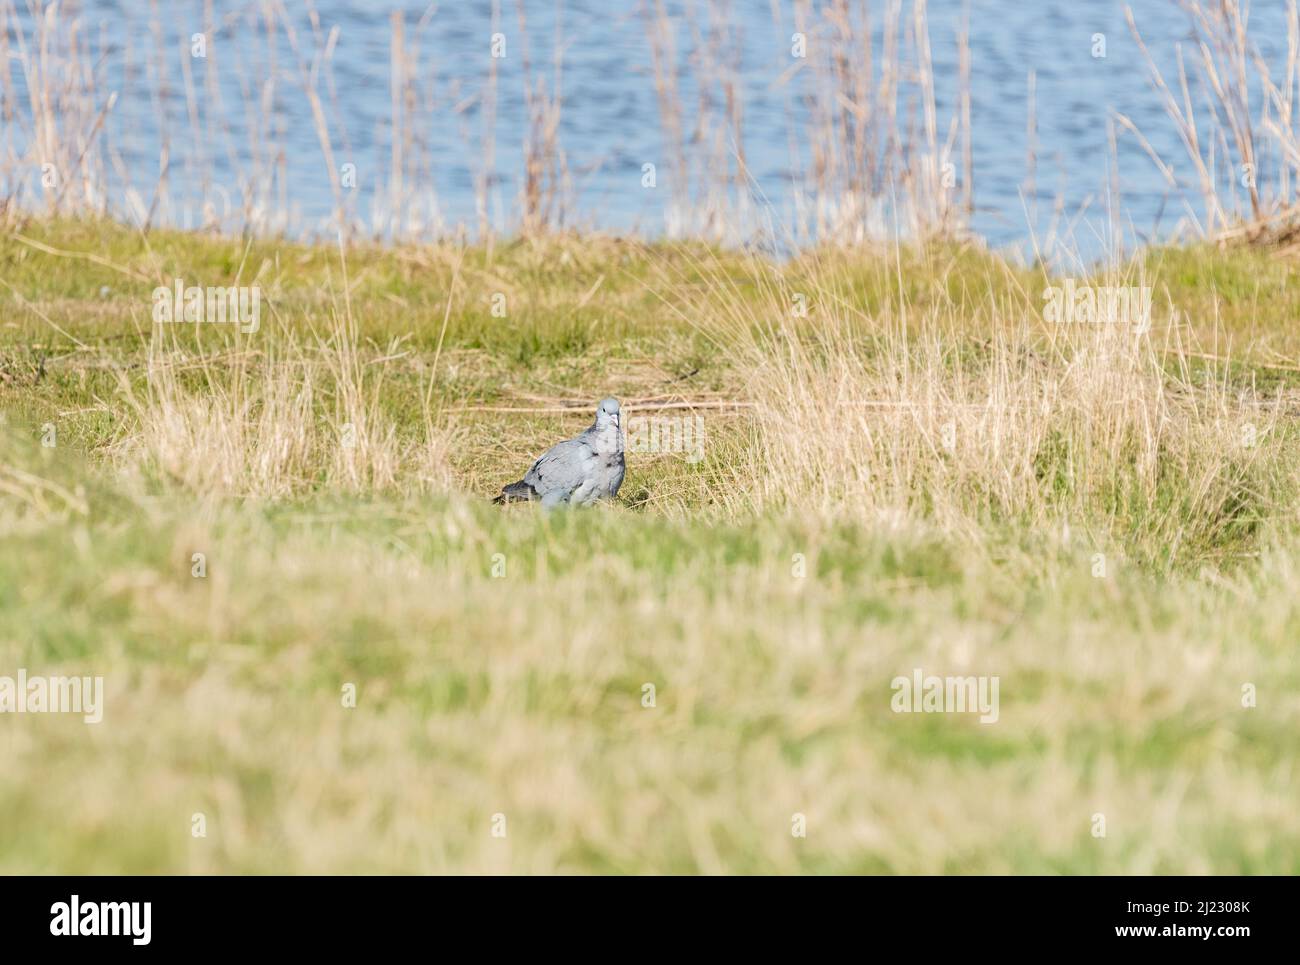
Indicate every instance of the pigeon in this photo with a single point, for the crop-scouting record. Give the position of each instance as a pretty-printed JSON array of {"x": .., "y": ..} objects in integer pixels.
[{"x": 576, "y": 472}]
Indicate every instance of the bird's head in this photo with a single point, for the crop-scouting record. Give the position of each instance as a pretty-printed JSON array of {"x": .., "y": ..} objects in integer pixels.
[{"x": 607, "y": 413}]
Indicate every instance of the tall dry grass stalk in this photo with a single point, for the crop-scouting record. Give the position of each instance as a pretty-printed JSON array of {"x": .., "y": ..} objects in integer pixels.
[
  {"x": 407, "y": 206},
  {"x": 871, "y": 158},
  {"x": 882, "y": 165},
  {"x": 1233, "y": 149},
  {"x": 487, "y": 141},
  {"x": 51, "y": 143},
  {"x": 543, "y": 193}
]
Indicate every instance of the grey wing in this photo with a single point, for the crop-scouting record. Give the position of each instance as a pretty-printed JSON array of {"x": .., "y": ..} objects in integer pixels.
[{"x": 562, "y": 468}]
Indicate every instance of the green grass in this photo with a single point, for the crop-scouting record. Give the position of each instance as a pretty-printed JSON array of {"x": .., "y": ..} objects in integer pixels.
[{"x": 770, "y": 634}]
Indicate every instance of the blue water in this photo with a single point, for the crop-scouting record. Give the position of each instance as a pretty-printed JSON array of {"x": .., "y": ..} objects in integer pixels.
[{"x": 610, "y": 123}]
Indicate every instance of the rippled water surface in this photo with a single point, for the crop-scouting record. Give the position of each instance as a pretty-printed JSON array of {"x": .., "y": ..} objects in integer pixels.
[{"x": 610, "y": 120}]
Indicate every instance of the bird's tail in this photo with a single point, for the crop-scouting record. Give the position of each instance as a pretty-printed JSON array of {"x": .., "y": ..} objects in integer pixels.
[{"x": 516, "y": 492}]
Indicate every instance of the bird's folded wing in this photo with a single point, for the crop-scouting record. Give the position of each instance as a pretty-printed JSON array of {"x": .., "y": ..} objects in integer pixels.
[{"x": 564, "y": 466}]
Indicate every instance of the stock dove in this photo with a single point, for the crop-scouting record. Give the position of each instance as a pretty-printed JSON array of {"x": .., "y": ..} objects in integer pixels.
[{"x": 576, "y": 472}]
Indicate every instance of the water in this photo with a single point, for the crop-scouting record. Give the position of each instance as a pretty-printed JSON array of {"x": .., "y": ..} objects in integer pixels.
[{"x": 610, "y": 123}]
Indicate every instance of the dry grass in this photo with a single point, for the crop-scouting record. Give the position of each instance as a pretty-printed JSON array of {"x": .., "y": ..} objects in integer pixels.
[
  {"x": 304, "y": 415},
  {"x": 1245, "y": 160},
  {"x": 276, "y": 426}
]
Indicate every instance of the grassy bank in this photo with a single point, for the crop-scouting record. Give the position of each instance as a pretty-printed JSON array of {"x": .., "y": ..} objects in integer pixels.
[{"x": 903, "y": 466}]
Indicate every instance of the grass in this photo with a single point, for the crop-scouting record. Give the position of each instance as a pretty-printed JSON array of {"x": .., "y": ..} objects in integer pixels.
[{"x": 828, "y": 542}]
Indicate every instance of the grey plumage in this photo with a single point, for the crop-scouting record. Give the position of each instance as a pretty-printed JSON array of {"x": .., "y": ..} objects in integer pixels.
[{"x": 576, "y": 472}]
